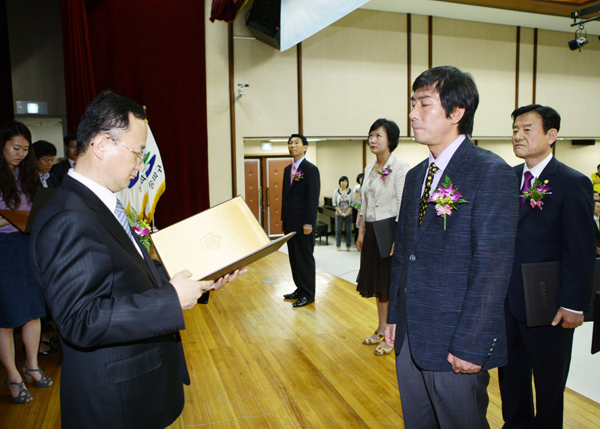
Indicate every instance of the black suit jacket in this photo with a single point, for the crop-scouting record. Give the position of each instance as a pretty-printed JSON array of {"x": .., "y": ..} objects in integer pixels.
[
  {"x": 563, "y": 230},
  {"x": 118, "y": 320},
  {"x": 300, "y": 200},
  {"x": 60, "y": 170}
]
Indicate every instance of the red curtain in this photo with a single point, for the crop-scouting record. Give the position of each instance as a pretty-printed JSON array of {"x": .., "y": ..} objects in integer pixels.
[
  {"x": 79, "y": 79},
  {"x": 226, "y": 10},
  {"x": 7, "y": 108},
  {"x": 153, "y": 52}
]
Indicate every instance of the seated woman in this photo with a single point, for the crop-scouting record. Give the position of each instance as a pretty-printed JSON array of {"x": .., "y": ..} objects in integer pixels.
[
  {"x": 21, "y": 299},
  {"x": 343, "y": 200}
]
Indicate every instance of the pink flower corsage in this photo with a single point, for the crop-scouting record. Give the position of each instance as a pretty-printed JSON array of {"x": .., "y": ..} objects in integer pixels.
[
  {"x": 140, "y": 227},
  {"x": 384, "y": 173},
  {"x": 535, "y": 193},
  {"x": 446, "y": 197},
  {"x": 299, "y": 175}
]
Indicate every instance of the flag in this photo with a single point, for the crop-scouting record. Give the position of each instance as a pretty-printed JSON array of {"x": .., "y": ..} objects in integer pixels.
[{"x": 145, "y": 190}]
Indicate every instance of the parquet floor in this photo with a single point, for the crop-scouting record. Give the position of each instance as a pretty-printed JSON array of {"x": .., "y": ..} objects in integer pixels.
[{"x": 257, "y": 363}]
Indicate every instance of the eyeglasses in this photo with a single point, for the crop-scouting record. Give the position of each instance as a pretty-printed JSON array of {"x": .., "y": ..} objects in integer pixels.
[{"x": 139, "y": 155}]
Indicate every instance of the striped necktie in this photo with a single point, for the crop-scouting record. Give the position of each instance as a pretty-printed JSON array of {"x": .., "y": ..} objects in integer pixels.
[
  {"x": 122, "y": 217},
  {"x": 423, "y": 204}
]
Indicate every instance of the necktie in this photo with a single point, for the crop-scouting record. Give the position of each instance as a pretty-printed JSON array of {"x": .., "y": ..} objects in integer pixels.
[
  {"x": 122, "y": 217},
  {"x": 526, "y": 185},
  {"x": 423, "y": 204},
  {"x": 292, "y": 176}
]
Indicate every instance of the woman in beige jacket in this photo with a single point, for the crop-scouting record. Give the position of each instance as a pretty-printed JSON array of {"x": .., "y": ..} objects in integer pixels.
[{"x": 382, "y": 192}]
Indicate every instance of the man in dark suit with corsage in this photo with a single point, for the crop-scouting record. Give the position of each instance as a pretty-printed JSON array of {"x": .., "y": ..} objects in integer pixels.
[
  {"x": 117, "y": 316},
  {"x": 556, "y": 223},
  {"x": 299, "y": 204},
  {"x": 452, "y": 261}
]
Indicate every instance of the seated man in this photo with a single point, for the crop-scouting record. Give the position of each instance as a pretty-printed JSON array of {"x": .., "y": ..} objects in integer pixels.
[
  {"x": 45, "y": 152},
  {"x": 61, "y": 169}
]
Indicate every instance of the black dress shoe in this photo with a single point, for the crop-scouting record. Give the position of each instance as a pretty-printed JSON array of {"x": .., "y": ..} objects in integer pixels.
[
  {"x": 50, "y": 351},
  {"x": 293, "y": 295},
  {"x": 303, "y": 301}
]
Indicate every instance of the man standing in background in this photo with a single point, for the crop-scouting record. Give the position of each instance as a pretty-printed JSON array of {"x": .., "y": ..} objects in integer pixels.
[
  {"x": 299, "y": 204},
  {"x": 556, "y": 227}
]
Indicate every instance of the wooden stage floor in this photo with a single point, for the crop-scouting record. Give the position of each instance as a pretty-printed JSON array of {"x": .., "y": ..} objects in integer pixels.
[{"x": 257, "y": 363}]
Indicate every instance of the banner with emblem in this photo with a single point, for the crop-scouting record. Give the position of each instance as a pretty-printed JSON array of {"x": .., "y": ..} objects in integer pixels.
[{"x": 145, "y": 190}]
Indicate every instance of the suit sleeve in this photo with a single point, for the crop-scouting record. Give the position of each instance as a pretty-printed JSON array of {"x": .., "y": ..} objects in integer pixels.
[
  {"x": 493, "y": 229},
  {"x": 284, "y": 189},
  {"x": 80, "y": 283},
  {"x": 578, "y": 245},
  {"x": 313, "y": 193}
]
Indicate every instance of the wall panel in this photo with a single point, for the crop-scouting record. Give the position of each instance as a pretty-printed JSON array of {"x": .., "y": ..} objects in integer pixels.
[
  {"x": 355, "y": 72},
  {"x": 270, "y": 106},
  {"x": 488, "y": 52},
  {"x": 582, "y": 158},
  {"x": 217, "y": 103},
  {"x": 569, "y": 82}
]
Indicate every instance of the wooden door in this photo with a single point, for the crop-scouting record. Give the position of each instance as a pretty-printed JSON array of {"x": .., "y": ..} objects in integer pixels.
[
  {"x": 253, "y": 187},
  {"x": 274, "y": 175}
]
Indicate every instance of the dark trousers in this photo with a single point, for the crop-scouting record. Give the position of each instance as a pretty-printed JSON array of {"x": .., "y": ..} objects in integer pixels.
[
  {"x": 302, "y": 261},
  {"x": 437, "y": 400},
  {"x": 545, "y": 353}
]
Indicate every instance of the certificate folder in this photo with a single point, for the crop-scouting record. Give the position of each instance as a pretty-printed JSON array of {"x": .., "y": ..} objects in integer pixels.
[
  {"x": 23, "y": 219},
  {"x": 385, "y": 233},
  {"x": 541, "y": 284},
  {"x": 215, "y": 242}
]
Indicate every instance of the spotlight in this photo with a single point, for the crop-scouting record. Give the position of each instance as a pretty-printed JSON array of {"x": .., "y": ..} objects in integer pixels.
[
  {"x": 580, "y": 39},
  {"x": 578, "y": 43}
]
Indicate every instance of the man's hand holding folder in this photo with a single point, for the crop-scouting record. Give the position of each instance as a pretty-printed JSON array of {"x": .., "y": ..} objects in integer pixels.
[{"x": 189, "y": 291}]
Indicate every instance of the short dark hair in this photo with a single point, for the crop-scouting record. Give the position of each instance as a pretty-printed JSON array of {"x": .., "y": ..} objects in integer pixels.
[
  {"x": 108, "y": 113},
  {"x": 68, "y": 138},
  {"x": 550, "y": 117},
  {"x": 360, "y": 176},
  {"x": 392, "y": 130},
  {"x": 456, "y": 89},
  {"x": 43, "y": 148},
  {"x": 342, "y": 179},
  {"x": 301, "y": 137}
]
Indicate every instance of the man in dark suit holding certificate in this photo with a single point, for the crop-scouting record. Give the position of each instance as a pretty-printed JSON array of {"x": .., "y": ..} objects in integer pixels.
[
  {"x": 118, "y": 318},
  {"x": 299, "y": 204},
  {"x": 451, "y": 262},
  {"x": 557, "y": 227}
]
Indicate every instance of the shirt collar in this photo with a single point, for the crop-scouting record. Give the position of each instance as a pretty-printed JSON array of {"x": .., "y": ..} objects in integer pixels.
[
  {"x": 106, "y": 195},
  {"x": 537, "y": 170},
  {"x": 444, "y": 158},
  {"x": 297, "y": 163}
]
